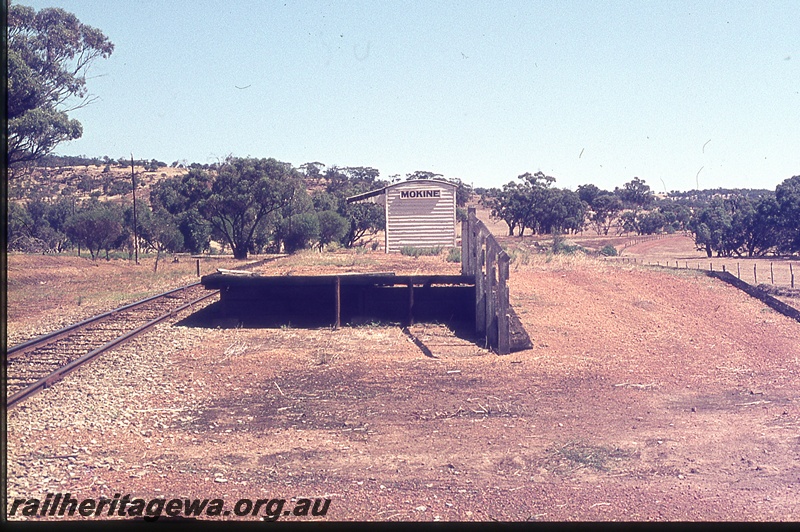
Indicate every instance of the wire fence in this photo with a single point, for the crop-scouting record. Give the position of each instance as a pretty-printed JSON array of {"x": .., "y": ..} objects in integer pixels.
[
  {"x": 779, "y": 273},
  {"x": 647, "y": 238}
]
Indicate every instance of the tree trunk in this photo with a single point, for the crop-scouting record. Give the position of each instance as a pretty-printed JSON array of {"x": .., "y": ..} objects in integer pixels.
[{"x": 240, "y": 253}]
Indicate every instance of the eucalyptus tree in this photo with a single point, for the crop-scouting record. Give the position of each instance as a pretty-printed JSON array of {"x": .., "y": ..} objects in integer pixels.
[
  {"x": 635, "y": 194},
  {"x": 363, "y": 219},
  {"x": 49, "y": 53},
  {"x": 98, "y": 226},
  {"x": 605, "y": 210},
  {"x": 787, "y": 194},
  {"x": 246, "y": 194}
]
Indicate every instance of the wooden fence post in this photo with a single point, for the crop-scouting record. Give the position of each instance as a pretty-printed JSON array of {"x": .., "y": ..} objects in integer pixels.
[
  {"x": 755, "y": 275},
  {"x": 480, "y": 285},
  {"x": 484, "y": 258},
  {"x": 791, "y": 273},
  {"x": 771, "y": 274},
  {"x": 491, "y": 294},
  {"x": 503, "y": 321},
  {"x": 467, "y": 244},
  {"x": 337, "y": 322},
  {"x": 410, "y": 302}
]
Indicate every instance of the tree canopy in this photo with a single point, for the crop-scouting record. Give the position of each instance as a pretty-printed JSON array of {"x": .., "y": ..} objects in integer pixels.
[
  {"x": 635, "y": 194},
  {"x": 49, "y": 53},
  {"x": 746, "y": 226},
  {"x": 256, "y": 205},
  {"x": 99, "y": 225},
  {"x": 533, "y": 204},
  {"x": 239, "y": 199},
  {"x": 362, "y": 218},
  {"x": 787, "y": 195},
  {"x": 605, "y": 209}
]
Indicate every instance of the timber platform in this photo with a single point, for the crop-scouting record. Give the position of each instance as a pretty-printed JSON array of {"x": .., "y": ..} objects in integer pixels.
[
  {"x": 478, "y": 298},
  {"x": 333, "y": 300}
]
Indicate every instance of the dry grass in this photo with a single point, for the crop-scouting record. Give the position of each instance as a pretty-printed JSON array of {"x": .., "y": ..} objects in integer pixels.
[
  {"x": 46, "y": 292},
  {"x": 578, "y": 454},
  {"x": 525, "y": 256},
  {"x": 335, "y": 261}
]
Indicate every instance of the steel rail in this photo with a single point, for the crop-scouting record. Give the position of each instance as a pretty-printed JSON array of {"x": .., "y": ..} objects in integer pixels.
[
  {"x": 68, "y": 368},
  {"x": 16, "y": 350},
  {"x": 39, "y": 341},
  {"x": 55, "y": 335}
]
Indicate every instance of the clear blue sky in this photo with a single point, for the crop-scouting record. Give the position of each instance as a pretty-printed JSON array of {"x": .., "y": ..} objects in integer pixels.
[{"x": 588, "y": 92}]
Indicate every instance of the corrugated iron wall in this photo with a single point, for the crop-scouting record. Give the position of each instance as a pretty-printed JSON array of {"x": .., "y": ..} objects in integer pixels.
[{"x": 420, "y": 214}]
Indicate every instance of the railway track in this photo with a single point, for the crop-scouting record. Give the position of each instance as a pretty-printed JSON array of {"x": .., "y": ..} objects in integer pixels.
[
  {"x": 39, "y": 363},
  {"x": 42, "y": 361}
]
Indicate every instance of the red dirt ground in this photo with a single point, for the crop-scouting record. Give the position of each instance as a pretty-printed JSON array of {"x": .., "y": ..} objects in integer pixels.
[{"x": 648, "y": 395}]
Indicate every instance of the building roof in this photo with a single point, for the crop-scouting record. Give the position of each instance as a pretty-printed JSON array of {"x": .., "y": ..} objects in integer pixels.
[{"x": 371, "y": 196}]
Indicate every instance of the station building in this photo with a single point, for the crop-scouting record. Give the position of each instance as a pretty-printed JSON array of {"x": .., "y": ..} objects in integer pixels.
[{"x": 420, "y": 213}]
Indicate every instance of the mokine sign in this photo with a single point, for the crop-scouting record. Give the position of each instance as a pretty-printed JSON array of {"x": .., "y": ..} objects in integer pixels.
[{"x": 411, "y": 194}]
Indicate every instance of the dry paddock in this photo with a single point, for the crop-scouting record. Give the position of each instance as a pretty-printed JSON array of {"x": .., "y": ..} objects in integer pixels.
[{"x": 648, "y": 395}]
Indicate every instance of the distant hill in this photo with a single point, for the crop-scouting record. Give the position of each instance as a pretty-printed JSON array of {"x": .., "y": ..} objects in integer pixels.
[{"x": 106, "y": 180}]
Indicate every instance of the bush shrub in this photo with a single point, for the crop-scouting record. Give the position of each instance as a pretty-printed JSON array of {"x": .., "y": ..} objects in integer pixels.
[
  {"x": 417, "y": 252},
  {"x": 519, "y": 255},
  {"x": 332, "y": 227},
  {"x": 298, "y": 231},
  {"x": 609, "y": 251},
  {"x": 454, "y": 255},
  {"x": 562, "y": 245}
]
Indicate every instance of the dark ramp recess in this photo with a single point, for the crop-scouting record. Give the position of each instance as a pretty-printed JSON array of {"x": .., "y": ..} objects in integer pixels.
[{"x": 333, "y": 300}]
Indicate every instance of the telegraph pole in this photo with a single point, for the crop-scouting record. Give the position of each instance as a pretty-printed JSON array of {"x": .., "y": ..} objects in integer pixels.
[{"x": 135, "y": 225}]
